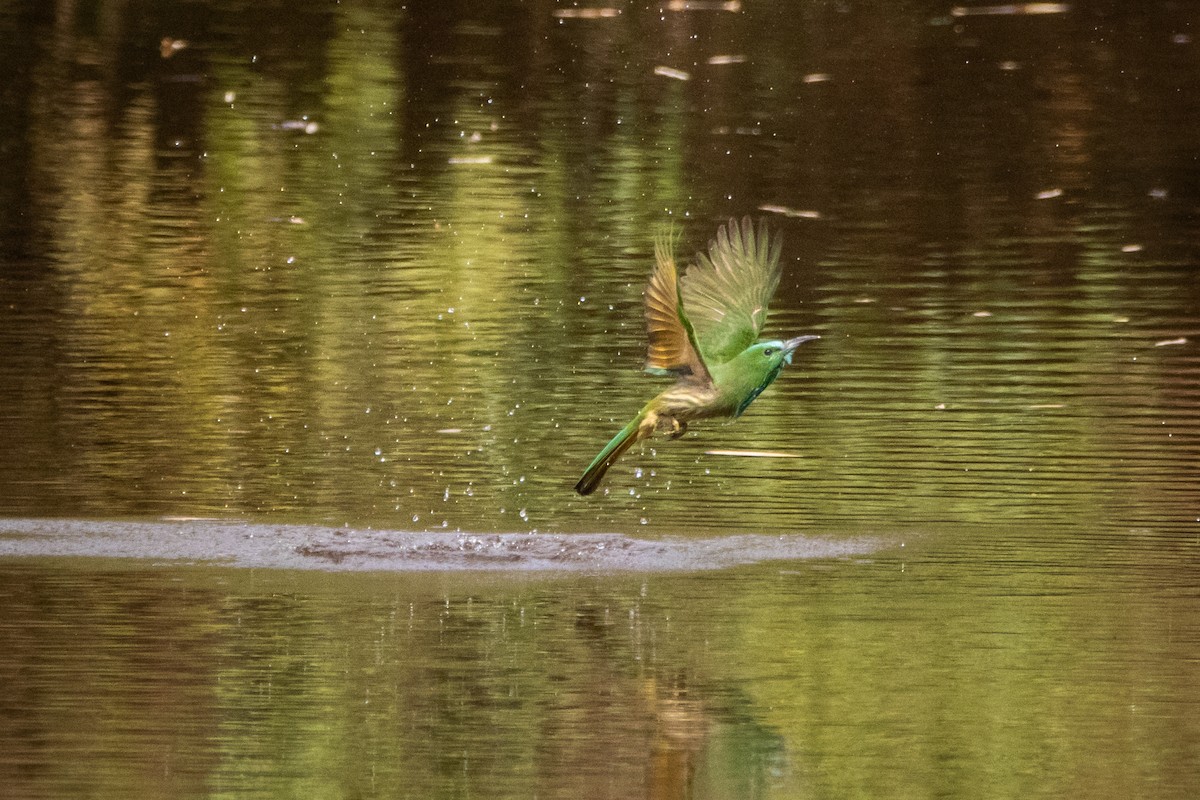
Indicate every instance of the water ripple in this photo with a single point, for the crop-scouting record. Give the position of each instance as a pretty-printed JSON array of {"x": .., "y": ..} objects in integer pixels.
[{"x": 351, "y": 549}]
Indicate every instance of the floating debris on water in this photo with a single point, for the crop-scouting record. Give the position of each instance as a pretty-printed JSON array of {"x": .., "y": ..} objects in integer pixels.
[
  {"x": 1132, "y": 248},
  {"x": 1049, "y": 194},
  {"x": 469, "y": 160},
  {"x": 817, "y": 77},
  {"x": 1010, "y": 9},
  {"x": 726, "y": 59},
  {"x": 169, "y": 46},
  {"x": 586, "y": 13},
  {"x": 1171, "y": 342},
  {"x": 704, "y": 5},
  {"x": 671, "y": 72},
  {"x": 304, "y": 125},
  {"x": 787, "y": 211},
  {"x": 753, "y": 453}
]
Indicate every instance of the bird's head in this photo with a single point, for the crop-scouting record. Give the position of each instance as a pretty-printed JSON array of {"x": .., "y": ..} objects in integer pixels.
[
  {"x": 758, "y": 366},
  {"x": 777, "y": 352}
]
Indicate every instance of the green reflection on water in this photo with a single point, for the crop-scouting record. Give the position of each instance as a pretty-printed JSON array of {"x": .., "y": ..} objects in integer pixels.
[
  {"x": 378, "y": 270},
  {"x": 901, "y": 678}
]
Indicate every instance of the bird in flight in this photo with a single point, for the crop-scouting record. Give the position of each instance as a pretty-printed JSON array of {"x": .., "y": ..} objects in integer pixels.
[{"x": 703, "y": 328}]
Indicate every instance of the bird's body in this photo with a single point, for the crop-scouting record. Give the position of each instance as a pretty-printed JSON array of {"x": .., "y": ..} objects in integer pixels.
[{"x": 703, "y": 329}]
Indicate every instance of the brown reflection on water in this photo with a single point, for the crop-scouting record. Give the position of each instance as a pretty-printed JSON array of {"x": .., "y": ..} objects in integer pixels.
[{"x": 108, "y": 686}]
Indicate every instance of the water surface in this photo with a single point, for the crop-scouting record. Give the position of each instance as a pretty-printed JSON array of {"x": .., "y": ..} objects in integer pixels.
[{"x": 365, "y": 278}]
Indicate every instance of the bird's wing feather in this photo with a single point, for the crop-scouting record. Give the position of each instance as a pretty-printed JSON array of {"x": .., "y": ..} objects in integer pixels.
[
  {"x": 672, "y": 345},
  {"x": 725, "y": 295}
]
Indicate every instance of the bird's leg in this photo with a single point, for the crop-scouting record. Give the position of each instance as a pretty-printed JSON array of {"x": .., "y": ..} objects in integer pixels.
[
  {"x": 672, "y": 426},
  {"x": 646, "y": 428}
]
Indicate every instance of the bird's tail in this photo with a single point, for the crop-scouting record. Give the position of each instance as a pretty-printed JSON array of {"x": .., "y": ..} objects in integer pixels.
[{"x": 609, "y": 455}]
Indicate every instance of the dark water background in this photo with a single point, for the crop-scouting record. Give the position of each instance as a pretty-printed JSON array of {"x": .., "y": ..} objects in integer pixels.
[{"x": 366, "y": 272}]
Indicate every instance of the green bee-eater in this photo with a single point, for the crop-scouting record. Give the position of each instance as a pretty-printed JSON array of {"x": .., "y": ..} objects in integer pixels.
[{"x": 703, "y": 329}]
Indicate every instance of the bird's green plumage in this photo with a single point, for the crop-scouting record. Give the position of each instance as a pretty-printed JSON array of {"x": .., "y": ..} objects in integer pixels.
[
  {"x": 726, "y": 294},
  {"x": 703, "y": 328},
  {"x": 605, "y": 458}
]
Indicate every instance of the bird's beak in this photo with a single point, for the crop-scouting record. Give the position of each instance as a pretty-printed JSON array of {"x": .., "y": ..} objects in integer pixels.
[{"x": 791, "y": 344}]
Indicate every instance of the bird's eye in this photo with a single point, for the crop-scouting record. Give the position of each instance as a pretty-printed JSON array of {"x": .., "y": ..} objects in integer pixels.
[{"x": 770, "y": 351}]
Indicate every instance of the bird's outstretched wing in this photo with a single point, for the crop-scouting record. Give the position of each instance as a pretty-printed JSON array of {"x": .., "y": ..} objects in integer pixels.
[
  {"x": 725, "y": 295},
  {"x": 672, "y": 343}
]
